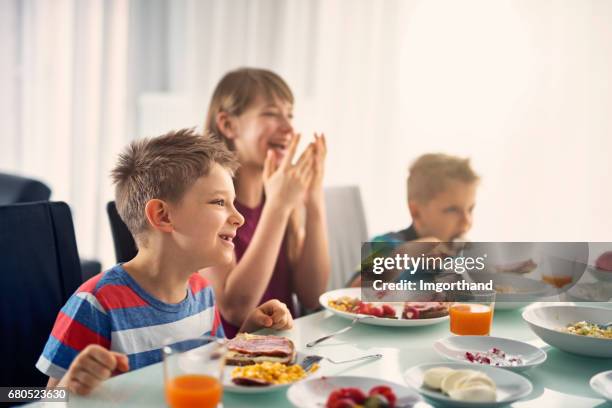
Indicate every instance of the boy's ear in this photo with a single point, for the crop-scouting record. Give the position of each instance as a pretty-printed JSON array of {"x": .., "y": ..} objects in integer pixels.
[
  {"x": 226, "y": 125},
  {"x": 158, "y": 215},
  {"x": 413, "y": 207}
]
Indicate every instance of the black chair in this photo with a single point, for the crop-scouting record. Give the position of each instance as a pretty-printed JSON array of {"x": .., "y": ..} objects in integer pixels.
[
  {"x": 15, "y": 189},
  {"x": 40, "y": 270},
  {"x": 125, "y": 246}
]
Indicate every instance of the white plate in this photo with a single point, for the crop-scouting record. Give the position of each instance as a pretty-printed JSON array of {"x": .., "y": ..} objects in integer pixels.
[
  {"x": 548, "y": 321},
  {"x": 377, "y": 321},
  {"x": 229, "y": 386},
  {"x": 600, "y": 274},
  {"x": 510, "y": 386},
  {"x": 590, "y": 292},
  {"x": 527, "y": 290},
  {"x": 313, "y": 393},
  {"x": 454, "y": 348},
  {"x": 602, "y": 384}
]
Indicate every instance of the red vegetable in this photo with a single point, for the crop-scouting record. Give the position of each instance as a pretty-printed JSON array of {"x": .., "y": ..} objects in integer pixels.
[
  {"x": 388, "y": 311},
  {"x": 386, "y": 392},
  {"x": 342, "y": 395}
]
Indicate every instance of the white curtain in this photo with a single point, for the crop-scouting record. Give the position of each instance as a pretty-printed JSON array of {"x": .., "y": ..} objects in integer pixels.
[
  {"x": 65, "y": 113},
  {"x": 522, "y": 87}
]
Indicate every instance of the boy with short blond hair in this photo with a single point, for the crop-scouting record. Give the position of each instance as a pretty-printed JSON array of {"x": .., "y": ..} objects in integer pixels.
[
  {"x": 441, "y": 192},
  {"x": 175, "y": 194},
  {"x": 441, "y": 197}
]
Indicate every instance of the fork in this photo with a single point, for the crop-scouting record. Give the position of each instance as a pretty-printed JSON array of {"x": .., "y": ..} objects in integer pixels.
[
  {"x": 344, "y": 330},
  {"x": 312, "y": 359}
]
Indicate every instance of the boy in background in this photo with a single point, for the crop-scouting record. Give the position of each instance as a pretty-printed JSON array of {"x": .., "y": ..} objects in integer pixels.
[
  {"x": 441, "y": 198},
  {"x": 175, "y": 193}
]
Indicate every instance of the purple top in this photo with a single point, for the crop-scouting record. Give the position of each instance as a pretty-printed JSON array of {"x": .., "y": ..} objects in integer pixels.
[{"x": 280, "y": 286}]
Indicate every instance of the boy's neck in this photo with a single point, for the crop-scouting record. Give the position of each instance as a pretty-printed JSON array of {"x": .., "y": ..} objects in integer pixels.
[
  {"x": 249, "y": 186},
  {"x": 160, "y": 276}
]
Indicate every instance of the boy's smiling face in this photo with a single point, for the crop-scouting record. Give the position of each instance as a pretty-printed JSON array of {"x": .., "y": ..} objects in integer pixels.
[
  {"x": 205, "y": 220},
  {"x": 448, "y": 215}
]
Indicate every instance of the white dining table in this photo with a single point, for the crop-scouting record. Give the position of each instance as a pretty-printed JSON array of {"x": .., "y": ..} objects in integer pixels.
[{"x": 561, "y": 381}]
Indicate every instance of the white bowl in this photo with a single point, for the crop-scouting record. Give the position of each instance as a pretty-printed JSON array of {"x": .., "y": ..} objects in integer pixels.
[
  {"x": 455, "y": 347},
  {"x": 548, "y": 322},
  {"x": 602, "y": 384},
  {"x": 510, "y": 386},
  {"x": 600, "y": 274}
]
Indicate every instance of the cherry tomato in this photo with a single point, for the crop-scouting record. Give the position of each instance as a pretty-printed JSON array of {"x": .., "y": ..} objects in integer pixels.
[
  {"x": 376, "y": 311},
  {"x": 388, "y": 311},
  {"x": 354, "y": 395},
  {"x": 386, "y": 392}
]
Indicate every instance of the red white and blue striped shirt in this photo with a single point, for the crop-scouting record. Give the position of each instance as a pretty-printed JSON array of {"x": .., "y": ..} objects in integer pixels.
[{"x": 112, "y": 310}]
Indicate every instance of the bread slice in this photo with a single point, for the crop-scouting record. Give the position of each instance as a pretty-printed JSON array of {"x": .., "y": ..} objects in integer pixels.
[{"x": 247, "y": 349}]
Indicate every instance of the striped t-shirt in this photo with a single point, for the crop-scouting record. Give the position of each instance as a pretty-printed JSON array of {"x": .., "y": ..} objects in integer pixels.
[{"x": 112, "y": 310}]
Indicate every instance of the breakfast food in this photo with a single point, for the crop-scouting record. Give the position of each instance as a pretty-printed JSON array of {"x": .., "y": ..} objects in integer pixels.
[
  {"x": 267, "y": 373},
  {"x": 494, "y": 357},
  {"x": 604, "y": 261},
  {"x": 354, "y": 305},
  {"x": 378, "y": 397},
  {"x": 461, "y": 385},
  {"x": 590, "y": 329},
  {"x": 557, "y": 281},
  {"x": 424, "y": 310},
  {"x": 521, "y": 267},
  {"x": 247, "y": 349}
]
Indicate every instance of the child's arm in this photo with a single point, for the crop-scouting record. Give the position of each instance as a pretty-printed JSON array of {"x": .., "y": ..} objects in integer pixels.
[
  {"x": 311, "y": 272},
  {"x": 91, "y": 366},
  {"x": 239, "y": 288},
  {"x": 272, "y": 314}
]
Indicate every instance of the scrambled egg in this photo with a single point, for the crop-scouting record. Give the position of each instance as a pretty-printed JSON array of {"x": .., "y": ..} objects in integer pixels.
[
  {"x": 589, "y": 329},
  {"x": 274, "y": 373}
]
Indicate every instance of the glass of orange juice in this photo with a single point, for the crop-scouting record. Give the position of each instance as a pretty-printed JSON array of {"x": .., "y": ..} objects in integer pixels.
[
  {"x": 472, "y": 313},
  {"x": 193, "y": 372}
]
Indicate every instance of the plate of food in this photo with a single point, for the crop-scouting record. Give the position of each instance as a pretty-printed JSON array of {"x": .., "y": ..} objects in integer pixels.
[
  {"x": 349, "y": 391},
  {"x": 470, "y": 386},
  {"x": 258, "y": 363},
  {"x": 512, "y": 291},
  {"x": 602, "y": 384},
  {"x": 492, "y": 351},
  {"x": 347, "y": 303},
  {"x": 583, "y": 330}
]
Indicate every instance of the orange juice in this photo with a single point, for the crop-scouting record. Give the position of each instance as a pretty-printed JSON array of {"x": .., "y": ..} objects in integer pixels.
[
  {"x": 193, "y": 390},
  {"x": 471, "y": 319},
  {"x": 557, "y": 281}
]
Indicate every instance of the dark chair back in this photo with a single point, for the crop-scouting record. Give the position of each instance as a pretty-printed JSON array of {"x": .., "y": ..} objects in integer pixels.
[
  {"x": 125, "y": 246},
  {"x": 16, "y": 189},
  {"x": 40, "y": 270}
]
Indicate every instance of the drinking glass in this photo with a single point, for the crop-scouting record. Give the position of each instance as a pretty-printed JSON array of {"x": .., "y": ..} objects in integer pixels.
[
  {"x": 193, "y": 372},
  {"x": 472, "y": 313}
]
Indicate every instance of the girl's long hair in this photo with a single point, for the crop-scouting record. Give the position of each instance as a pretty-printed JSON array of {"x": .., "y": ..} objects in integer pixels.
[{"x": 236, "y": 91}]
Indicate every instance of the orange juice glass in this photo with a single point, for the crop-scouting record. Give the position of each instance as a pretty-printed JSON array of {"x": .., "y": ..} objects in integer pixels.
[
  {"x": 193, "y": 372},
  {"x": 472, "y": 314}
]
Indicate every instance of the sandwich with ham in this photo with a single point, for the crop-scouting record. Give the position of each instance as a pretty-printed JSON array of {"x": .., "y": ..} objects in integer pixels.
[{"x": 247, "y": 349}]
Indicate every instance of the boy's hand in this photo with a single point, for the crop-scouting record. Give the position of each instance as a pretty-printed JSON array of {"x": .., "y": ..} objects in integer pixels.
[
  {"x": 92, "y": 366},
  {"x": 272, "y": 315}
]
